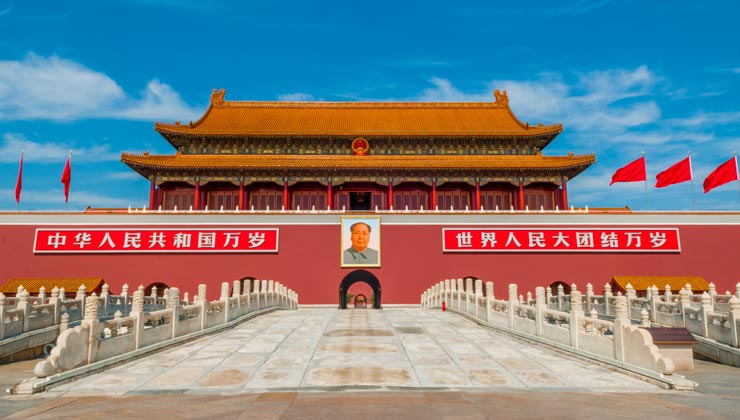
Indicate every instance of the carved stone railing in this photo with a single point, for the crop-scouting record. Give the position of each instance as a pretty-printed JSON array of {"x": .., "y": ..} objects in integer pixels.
[
  {"x": 616, "y": 342},
  {"x": 95, "y": 340}
]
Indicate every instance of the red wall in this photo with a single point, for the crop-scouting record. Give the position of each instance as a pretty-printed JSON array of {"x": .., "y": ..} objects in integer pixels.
[{"x": 412, "y": 260}]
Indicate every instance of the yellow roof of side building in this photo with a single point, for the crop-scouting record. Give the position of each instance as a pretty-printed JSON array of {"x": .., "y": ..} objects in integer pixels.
[
  {"x": 641, "y": 283},
  {"x": 70, "y": 284}
]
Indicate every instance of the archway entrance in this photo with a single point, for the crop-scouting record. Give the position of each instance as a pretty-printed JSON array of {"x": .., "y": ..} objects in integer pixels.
[{"x": 359, "y": 276}]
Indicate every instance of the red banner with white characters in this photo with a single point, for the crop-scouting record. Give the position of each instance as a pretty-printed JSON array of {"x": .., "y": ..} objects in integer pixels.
[
  {"x": 560, "y": 240},
  {"x": 152, "y": 240}
]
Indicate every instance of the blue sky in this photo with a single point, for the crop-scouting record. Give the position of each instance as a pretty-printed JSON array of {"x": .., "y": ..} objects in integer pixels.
[{"x": 622, "y": 76}]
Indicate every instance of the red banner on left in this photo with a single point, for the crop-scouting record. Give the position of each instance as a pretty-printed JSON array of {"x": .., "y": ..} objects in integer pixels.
[{"x": 169, "y": 240}]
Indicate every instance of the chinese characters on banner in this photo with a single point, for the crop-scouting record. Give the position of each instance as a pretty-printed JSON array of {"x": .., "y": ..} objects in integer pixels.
[
  {"x": 560, "y": 240},
  {"x": 169, "y": 240}
]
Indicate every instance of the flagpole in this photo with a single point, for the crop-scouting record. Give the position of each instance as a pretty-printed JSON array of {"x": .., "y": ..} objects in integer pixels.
[
  {"x": 66, "y": 202},
  {"x": 691, "y": 173},
  {"x": 646, "y": 195},
  {"x": 18, "y": 201},
  {"x": 734, "y": 154}
]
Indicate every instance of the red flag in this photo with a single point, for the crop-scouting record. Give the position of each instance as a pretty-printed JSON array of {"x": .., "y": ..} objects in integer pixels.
[
  {"x": 19, "y": 182},
  {"x": 67, "y": 177},
  {"x": 632, "y": 172},
  {"x": 726, "y": 172},
  {"x": 680, "y": 172}
]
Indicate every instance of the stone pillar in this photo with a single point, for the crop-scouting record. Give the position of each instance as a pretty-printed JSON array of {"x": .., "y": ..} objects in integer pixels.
[
  {"x": 41, "y": 297},
  {"x": 81, "y": 294},
  {"x": 589, "y": 297},
  {"x": 25, "y": 306},
  {"x": 576, "y": 314},
  {"x": 478, "y": 295},
  {"x": 561, "y": 297},
  {"x": 706, "y": 310},
  {"x": 489, "y": 300},
  {"x": 512, "y": 304},
  {"x": 668, "y": 296},
  {"x": 124, "y": 298},
  {"x": 173, "y": 304},
  {"x": 257, "y": 293},
  {"x": 54, "y": 300},
  {"x": 683, "y": 303},
  {"x": 620, "y": 322},
  {"x": 644, "y": 318},
  {"x": 540, "y": 306},
  {"x": 104, "y": 298},
  {"x": 460, "y": 293},
  {"x": 92, "y": 324},
  {"x": 468, "y": 293},
  {"x": 2, "y": 316},
  {"x": 137, "y": 313},
  {"x": 224, "y": 292},
  {"x": 236, "y": 289},
  {"x": 203, "y": 302},
  {"x": 732, "y": 317},
  {"x": 737, "y": 290},
  {"x": 548, "y": 296},
  {"x": 263, "y": 292},
  {"x": 607, "y": 296}
]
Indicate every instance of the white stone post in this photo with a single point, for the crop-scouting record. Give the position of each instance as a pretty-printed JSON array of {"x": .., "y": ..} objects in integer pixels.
[
  {"x": 104, "y": 298},
  {"x": 489, "y": 300},
  {"x": 576, "y": 314},
  {"x": 41, "y": 297},
  {"x": 460, "y": 293},
  {"x": 668, "y": 295},
  {"x": 203, "y": 302},
  {"x": 92, "y": 323},
  {"x": 737, "y": 290},
  {"x": 589, "y": 297},
  {"x": 653, "y": 302},
  {"x": 24, "y": 305},
  {"x": 173, "y": 304},
  {"x": 257, "y": 293},
  {"x": 478, "y": 295},
  {"x": 620, "y": 322},
  {"x": 561, "y": 297},
  {"x": 644, "y": 318},
  {"x": 124, "y": 298},
  {"x": 81, "y": 294},
  {"x": 683, "y": 303},
  {"x": 225, "y": 300},
  {"x": 733, "y": 316},
  {"x": 236, "y": 293},
  {"x": 263, "y": 292},
  {"x": 137, "y": 313},
  {"x": 548, "y": 296},
  {"x": 271, "y": 291},
  {"x": 54, "y": 300},
  {"x": 2, "y": 316},
  {"x": 540, "y": 306},
  {"x": 512, "y": 304},
  {"x": 448, "y": 291},
  {"x": 607, "y": 296},
  {"x": 468, "y": 293},
  {"x": 706, "y": 310}
]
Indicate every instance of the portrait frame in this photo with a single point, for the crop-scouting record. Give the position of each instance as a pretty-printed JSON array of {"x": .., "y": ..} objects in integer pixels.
[{"x": 350, "y": 258}]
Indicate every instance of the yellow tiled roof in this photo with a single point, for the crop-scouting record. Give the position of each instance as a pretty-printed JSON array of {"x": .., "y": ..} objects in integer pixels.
[
  {"x": 351, "y": 162},
  {"x": 70, "y": 284},
  {"x": 365, "y": 119},
  {"x": 676, "y": 282}
]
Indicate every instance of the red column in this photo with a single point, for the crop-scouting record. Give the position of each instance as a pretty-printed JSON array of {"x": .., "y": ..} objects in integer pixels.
[
  {"x": 390, "y": 194},
  {"x": 286, "y": 200},
  {"x": 477, "y": 195},
  {"x": 241, "y": 195},
  {"x": 521, "y": 195},
  {"x": 196, "y": 198},
  {"x": 152, "y": 195},
  {"x": 564, "y": 199},
  {"x": 329, "y": 197},
  {"x": 434, "y": 195}
]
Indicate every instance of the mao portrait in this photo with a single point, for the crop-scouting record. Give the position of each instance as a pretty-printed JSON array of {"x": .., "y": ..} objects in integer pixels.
[{"x": 360, "y": 242}]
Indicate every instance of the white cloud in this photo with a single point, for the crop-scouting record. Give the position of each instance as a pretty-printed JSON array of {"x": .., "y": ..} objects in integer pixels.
[
  {"x": 296, "y": 97},
  {"x": 55, "y": 88},
  {"x": 50, "y": 152},
  {"x": 125, "y": 176}
]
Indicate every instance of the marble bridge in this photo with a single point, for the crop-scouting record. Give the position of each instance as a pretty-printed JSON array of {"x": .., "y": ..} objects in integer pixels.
[{"x": 330, "y": 349}]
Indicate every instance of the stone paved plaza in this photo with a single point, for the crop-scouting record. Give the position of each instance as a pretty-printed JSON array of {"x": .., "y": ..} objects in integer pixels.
[
  {"x": 363, "y": 364},
  {"x": 328, "y": 348}
]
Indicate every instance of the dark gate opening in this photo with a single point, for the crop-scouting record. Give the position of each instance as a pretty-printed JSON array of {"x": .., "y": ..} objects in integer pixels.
[
  {"x": 359, "y": 201},
  {"x": 359, "y": 276}
]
